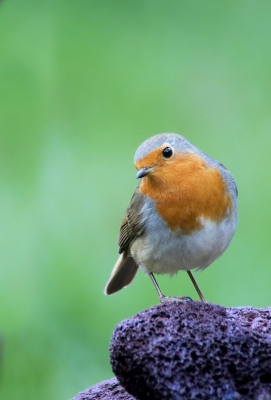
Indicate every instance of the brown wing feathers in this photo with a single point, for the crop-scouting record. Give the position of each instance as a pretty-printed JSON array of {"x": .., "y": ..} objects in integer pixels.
[{"x": 131, "y": 227}]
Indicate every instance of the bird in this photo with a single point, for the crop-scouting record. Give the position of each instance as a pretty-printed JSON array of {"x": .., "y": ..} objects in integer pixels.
[{"x": 182, "y": 215}]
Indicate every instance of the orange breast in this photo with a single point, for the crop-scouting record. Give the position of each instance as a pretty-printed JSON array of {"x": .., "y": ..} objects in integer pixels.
[{"x": 186, "y": 189}]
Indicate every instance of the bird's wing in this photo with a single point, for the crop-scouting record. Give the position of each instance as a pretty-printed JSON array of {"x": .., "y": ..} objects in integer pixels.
[
  {"x": 133, "y": 223},
  {"x": 131, "y": 227}
]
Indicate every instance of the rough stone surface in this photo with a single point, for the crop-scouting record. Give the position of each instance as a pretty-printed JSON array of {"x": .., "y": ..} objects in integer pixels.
[
  {"x": 194, "y": 351},
  {"x": 106, "y": 390}
]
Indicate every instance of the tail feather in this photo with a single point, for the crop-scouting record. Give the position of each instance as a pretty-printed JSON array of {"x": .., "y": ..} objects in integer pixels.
[{"x": 122, "y": 275}]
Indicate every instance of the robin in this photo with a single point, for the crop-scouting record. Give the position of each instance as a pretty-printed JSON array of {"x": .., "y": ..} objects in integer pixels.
[{"x": 183, "y": 213}]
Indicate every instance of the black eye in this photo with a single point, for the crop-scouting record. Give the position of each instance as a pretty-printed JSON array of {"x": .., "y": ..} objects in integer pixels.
[{"x": 167, "y": 152}]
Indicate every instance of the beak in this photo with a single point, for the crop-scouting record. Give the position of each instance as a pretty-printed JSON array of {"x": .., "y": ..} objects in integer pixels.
[{"x": 143, "y": 172}]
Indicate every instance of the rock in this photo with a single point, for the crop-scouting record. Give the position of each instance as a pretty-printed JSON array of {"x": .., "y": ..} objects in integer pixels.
[
  {"x": 106, "y": 390},
  {"x": 194, "y": 351}
]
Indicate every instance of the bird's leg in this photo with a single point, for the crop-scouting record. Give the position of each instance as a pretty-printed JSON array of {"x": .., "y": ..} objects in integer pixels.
[
  {"x": 165, "y": 299},
  {"x": 196, "y": 287},
  {"x": 154, "y": 281}
]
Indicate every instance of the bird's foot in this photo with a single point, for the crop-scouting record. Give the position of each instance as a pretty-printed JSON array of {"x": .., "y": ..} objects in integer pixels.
[{"x": 183, "y": 299}]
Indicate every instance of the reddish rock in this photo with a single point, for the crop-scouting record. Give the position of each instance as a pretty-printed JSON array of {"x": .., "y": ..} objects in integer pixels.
[
  {"x": 194, "y": 351},
  {"x": 106, "y": 390}
]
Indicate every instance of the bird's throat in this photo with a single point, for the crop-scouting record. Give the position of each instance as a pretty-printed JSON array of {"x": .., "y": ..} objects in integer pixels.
[{"x": 186, "y": 191}]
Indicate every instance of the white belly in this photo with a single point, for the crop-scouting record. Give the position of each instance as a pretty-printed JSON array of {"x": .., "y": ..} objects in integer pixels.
[{"x": 162, "y": 251}]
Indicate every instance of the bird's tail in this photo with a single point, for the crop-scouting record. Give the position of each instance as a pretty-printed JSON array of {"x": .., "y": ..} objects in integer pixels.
[{"x": 122, "y": 275}]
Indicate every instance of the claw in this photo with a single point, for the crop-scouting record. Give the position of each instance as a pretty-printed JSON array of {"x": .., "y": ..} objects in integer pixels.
[{"x": 183, "y": 299}]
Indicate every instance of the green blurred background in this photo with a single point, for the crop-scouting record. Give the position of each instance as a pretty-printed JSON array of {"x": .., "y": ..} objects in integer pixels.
[{"x": 82, "y": 84}]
